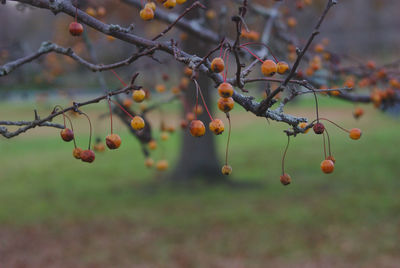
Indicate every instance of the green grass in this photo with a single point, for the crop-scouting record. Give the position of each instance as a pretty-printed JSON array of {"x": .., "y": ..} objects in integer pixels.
[{"x": 350, "y": 217}]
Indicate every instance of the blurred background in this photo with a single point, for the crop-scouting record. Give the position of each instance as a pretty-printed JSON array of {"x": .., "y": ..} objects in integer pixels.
[{"x": 56, "y": 211}]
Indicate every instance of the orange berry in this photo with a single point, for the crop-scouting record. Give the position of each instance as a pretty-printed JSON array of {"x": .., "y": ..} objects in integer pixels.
[
  {"x": 162, "y": 165},
  {"x": 309, "y": 72},
  {"x": 139, "y": 95},
  {"x": 226, "y": 170},
  {"x": 151, "y": 5},
  {"x": 319, "y": 48},
  {"x": 190, "y": 116},
  {"x": 355, "y": 133},
  {"x": 91, "y": 11},
  {"x": 349, "y": 83},
  {"x": 113, "y": 141},
  {"x": 327, "y": 56},
  {"x": 198, "y": 110},
  {"x": 282, "y": 67},
  {"x": 160, "y": 88},
  {"x": 394, "y": 83},
  {"x": 197, "y": 128},
  {"x": 225, "y": 104},
  {"x": 188, "y": 71},
  {"x": 77, "y": 153},
  {"x": 175, "y": 90},
  {"x": 327, "y": 166},
  {"x": 149, "y": 162},
  {"x": 184, "y": 123},
  {"x": 101, "y": 11},
  {"x": 225, "y": 90},
  {"x": 371, "y": 64},
  {"x": 253, "y": 36},
  {"x": 152, "y": 145},
  {"x": 217, "y": 65},
  {"x": 285, "y": 179},
  {"x": 99, "y": 147},
  {"x": 87, "y": 156},
  {"x": 358, "y": 112},
  {"x": 268, "y": 68},
  {"x": 75, "y": 28},
  {"x": 127, "y": 103},
  {"x": 67, "y": 134},
  {"x": 170, "y": 4},
  {"x": 304, "y": 125},
  {"x": 184, "y": 83},
  {"x": 334, "y": 92},
  {"x": 211, "y": 14},
  {"x": 146, "y": 13},
  {"x": 216, "y": 126},
  {"x": 137, "y": 123},
  {"x": 376, "y": 98},
  {"x": 164, "y": 136},
  {"x": 170, "y": 129},
  {"x": 291, "y": 22},
  {"x": 180, "y": 2}
]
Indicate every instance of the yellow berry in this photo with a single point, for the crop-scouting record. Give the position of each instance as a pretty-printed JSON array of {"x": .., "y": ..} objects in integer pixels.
[{"x": 137, "y": 123}]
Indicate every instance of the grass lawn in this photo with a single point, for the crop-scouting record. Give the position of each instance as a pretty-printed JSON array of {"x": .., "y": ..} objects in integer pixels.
[{"x": 56, "y": 211}]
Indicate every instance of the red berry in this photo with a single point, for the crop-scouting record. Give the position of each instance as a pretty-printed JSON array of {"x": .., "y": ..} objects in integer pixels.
[
  {"x": 87, "y": 156},
  {"x": 67, "y": 134},
  {"x": 113, "y": 141},
  {"x": 285, "y": 179},
  {"x": 75, "y": 28},
  {"x": 319, "y": 128}
]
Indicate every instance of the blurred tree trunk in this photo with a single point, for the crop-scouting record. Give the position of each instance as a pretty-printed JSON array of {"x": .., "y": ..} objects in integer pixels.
[{"x": 198, "y": 159}]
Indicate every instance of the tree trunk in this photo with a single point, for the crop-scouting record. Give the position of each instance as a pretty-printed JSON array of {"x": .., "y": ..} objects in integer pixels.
[{"x": 198, "y": 160}]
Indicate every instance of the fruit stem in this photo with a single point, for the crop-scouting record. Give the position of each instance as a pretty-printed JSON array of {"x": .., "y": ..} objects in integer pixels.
[
  {"x": 62, "y": 110},
  {"x": 229, "y": 138},
  {"x": 201, "y": 95},
  {"x": 90, "y": 126},
  {"x": 329, "y": 142},
  {"x": 261, "y": 44},
  {"x": 76, "y": 10},
  {"x": 342, "y": 128},
  {"x": 72, "y": 127},
  {"x": 254, "y": 55},
  {"x": 323, "y": 138},
  {"x": 284, "y": 154},
  {"x": 197, "y": 102},
  {"x": 119, "y": 78},
  {"x": 316, "y": 105},
  {"x": 69, "y": 119},
  {"x": 125, "y": 111},
  {"x": 111, "y": 118}
]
